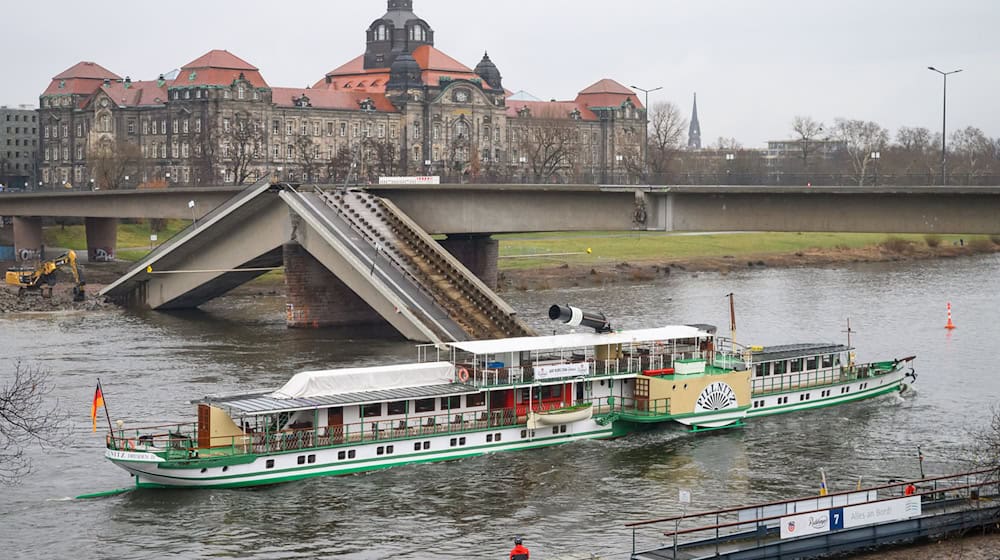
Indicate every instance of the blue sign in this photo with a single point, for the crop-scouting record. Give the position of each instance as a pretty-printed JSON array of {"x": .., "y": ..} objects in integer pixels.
[{"x": 836, "y": 519}]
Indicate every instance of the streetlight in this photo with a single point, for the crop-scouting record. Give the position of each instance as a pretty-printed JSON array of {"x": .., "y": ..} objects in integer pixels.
[
  {"x": 645, "y": 137},
  {"x": 875, "y": 157},
  {"x": 944, "y": 121}
]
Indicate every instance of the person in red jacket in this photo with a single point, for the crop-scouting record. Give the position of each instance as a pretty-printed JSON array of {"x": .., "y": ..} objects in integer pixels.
[{"x": 519, "y": 552}]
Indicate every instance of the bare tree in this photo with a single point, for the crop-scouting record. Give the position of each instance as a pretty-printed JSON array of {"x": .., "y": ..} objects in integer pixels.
[
  {"x": 206, "y": 156},
  {"x": 914, "y": 151},
  {"x": 338, "y": 169},
  {"x": 547, "y": 142},
  {"x": 110, "y": 162},
  {"x": 242, "y": 140},
  {"x": 974, "y": 152},
  {"x": 381, "y": 157},
  {"x": 808, "y": 132},
  {"x": 722, "y": 144},
  {"x": 862, "y": 139},
  {"x": 307, "y": 154},
  {"x": 25, "y": 419},
  {"x": 984, "y": 453},
  {"x": 666, "y": 131}
]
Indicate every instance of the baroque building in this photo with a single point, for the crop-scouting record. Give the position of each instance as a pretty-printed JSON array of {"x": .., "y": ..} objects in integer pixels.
[{"x": 402, "y": 107}]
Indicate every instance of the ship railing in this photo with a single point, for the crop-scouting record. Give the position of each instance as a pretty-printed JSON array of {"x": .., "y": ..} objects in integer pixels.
[
  {"x": 173, "y": 439},
  {"x": 800, "y": 380},
  {"x": 632, "y": 406}
]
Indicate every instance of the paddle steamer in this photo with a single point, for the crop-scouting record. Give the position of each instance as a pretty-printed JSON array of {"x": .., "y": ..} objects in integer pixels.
[{"x": 464, "y": 399}]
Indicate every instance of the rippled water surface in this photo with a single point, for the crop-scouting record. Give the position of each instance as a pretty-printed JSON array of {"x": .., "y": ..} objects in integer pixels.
[{"x": 568, "y": 501}]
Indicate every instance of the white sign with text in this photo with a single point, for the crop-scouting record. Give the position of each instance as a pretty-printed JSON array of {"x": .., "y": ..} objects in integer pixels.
[
  {"x": 562, "y": 370},
  {"x": 805, "y": 524},
  {"x": 880, "y": 512}
]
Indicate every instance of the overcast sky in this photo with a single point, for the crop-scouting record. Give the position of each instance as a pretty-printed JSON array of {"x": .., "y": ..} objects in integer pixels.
[{"x": 754, "y": 64}]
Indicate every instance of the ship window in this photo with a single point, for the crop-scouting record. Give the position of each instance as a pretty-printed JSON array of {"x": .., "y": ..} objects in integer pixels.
[
  {"x": 461, "y": 441},
  {"x": 351, "y": 454},
  {"x": 811, "y": 363},
  {"x": 311, "y": 459},
  {"x": 427, "y": 445},
  {"x": 380, "y": 450},
  {"x": 203, "y": 470},
  {"x": 497, "y": 437},
  {"x": 453, "y": 442},
  {"x": 302, "y": 459},
  {"x": 451, "y": 403},
  {"x": 397, "y": 407},
  {"x": 760, "y": 370},
  {"x": 796, "y": 365},
  {"x": 555, "y": 430},
  {"x": 388, "y": 450},
  {"x": 524, "y": 434},
  {"x": 828, "y": 360},
  {"x": 489, "y": 438},
  {"x": 369, "y": 410},
  {"x": 780, "y": 368},
  {"x": 269, "y": 464},
  {"x": 478, "y": 399},
  {"x": 341, "y": 456},
  {"x": 562, "y": 429},
  {"x": 424, "y": 405},
  {"x": 416, "y": 446}
]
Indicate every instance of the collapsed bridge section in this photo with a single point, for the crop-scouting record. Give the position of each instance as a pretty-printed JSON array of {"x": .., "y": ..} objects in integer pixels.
[{"x": 350, "y": 258}]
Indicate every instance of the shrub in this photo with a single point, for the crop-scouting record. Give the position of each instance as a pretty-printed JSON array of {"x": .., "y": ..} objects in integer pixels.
[
  {"x": 895, "y": 245},
  {"x": 981, "y": 244},
  {"x": 995, "y": 239},
  {"x": 932, "y": 240}
]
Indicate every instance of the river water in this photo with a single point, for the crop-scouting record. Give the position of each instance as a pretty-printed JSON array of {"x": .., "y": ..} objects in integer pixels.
[{"x": 569, "y": 501}]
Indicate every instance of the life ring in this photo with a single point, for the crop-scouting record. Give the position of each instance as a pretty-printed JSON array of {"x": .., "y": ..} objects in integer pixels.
[{"x": 463, "y": 375}]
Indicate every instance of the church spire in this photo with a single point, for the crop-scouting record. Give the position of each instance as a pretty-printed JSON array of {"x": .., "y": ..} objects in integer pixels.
[{"x": 694, "y": 131}]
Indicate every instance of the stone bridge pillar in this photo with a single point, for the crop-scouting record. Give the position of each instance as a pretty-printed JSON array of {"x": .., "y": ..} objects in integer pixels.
[
  {"x": 315, "y": 298},
  {"x": 27, "y": 238},
  {"x": 102, "y": 239},
  {"x": 478, "y": 253}
]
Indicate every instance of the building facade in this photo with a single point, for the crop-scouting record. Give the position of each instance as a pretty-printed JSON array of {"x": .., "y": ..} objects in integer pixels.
[
  {"x": 18, "y": 146},
  {"x": 402, "y": 107}
]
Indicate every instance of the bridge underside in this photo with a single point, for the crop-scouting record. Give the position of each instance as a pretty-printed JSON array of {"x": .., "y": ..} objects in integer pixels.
[{"x": 382, "y": 265}]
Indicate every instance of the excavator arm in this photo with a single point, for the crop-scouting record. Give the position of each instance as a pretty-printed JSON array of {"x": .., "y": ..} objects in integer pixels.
[{"x": 42, "y": 277}]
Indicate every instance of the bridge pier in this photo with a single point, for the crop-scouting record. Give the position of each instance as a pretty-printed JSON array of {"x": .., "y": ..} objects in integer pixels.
[
  {"x": 477, "y": 252},
  {"x": 27, "y": 238},
  {"x": 102, "y": 239},
  {"x": 316, "y": 298}
]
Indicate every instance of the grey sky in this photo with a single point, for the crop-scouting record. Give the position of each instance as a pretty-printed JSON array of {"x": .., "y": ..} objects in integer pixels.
[{"x": 754, "y": 64}]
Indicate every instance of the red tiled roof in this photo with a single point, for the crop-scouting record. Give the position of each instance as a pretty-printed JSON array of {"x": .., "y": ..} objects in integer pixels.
[
  {"x": 331, "y": 99},
  {"x": 87, "y": 71},
  {"x": 219, "y": 59},
  {"x": 138, "y": 94},
  {"x": 83, "y": 78},
  {"x": 550, "y": 109},
  {"x": 606, "y": 93},
  {"x": 430, "y": 58},
  {"x": 217, "y": 68},
  {"x": 433, "y": 62}
]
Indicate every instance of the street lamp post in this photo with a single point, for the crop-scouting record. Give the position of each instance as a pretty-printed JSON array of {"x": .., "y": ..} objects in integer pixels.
[
  {"x": 875, "y": 157},
  {"x": 944, "y": 121},
  {"x": 645, "y": 137}
]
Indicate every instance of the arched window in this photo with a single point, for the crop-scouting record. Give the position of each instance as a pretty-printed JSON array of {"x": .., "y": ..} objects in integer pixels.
[{"x": 417, "y": 33}]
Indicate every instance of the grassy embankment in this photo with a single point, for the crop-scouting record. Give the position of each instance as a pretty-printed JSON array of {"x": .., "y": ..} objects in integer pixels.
[{"x": 522, "y": 253}]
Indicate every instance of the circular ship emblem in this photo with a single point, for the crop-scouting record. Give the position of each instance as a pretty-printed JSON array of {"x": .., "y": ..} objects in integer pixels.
[{"x": 717, "y": 396}]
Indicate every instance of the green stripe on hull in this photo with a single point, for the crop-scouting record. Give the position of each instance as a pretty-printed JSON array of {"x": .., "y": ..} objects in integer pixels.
[
  {"x": 829, "y": 401},
  {"x": 365, "y": 465}
]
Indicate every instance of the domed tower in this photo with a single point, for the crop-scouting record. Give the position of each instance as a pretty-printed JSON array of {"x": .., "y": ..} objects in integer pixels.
[
  {"x": 399, "y": 30},
  {"x": 404, "y": 73},
  {"x": 489, "y": 73}
]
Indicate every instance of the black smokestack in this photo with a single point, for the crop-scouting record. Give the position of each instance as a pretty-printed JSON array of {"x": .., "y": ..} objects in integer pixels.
[{"x": 575, "y": 316}]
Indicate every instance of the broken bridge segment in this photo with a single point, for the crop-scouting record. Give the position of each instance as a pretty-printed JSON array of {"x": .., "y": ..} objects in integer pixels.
[{"x": 374, "y": 250}]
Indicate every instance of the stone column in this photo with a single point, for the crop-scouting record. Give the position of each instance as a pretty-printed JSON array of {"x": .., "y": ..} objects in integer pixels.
[
  {"x": 317, "y": 299},
  {"x": 477, "y": 252},
  {"x": 27, "y": 238},
  {"x": 102, "y": 239}
]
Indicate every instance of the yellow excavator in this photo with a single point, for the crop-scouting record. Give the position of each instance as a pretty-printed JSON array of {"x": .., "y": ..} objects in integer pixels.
[{"x": 42, "y": 277}]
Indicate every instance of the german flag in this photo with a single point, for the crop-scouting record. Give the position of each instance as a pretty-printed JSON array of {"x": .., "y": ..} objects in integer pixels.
[{"x": 98, "y": 403}]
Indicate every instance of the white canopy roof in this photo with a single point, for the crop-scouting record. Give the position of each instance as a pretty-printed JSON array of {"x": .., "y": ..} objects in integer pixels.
[
  {"x": 353, "y": 380},
  {"x": 578, "y": 340}
]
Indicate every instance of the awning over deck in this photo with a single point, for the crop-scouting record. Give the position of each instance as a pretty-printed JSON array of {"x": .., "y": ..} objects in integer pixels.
[
  {"x": 266, "y": 404},
  {"x": 578, "y": 340}
]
